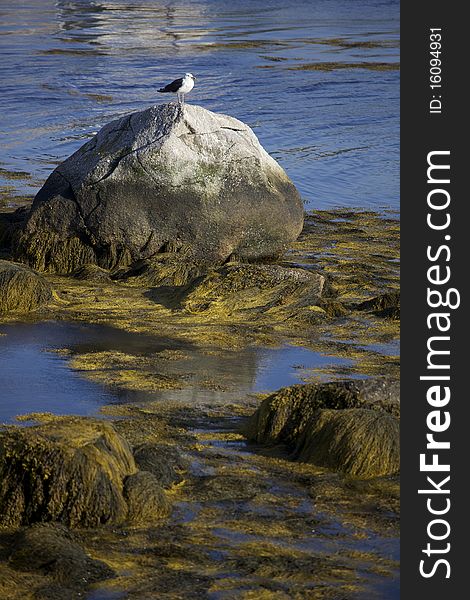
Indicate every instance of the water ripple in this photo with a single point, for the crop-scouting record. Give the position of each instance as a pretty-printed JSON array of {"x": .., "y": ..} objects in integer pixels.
[{"x": 71, "y": 66}]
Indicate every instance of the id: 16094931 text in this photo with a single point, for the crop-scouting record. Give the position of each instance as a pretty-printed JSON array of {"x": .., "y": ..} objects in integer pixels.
[{"x": 435, "y": 70}]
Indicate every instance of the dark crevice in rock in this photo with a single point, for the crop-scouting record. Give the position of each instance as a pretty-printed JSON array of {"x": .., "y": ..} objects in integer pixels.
[
  {"x": 123, "y": 127},
  {"x": 88, "y": 234},
  {"x": 92, "y": 142},
  {"x": 194, "y": 132},
  {"x": 115, "y": 163},
  {"x": 113, "y": 166},
  {"x": 231, "y": 128},
  {"x": 149, "y": 173},
  {"x": 146, "y": 245},
  {"x": 190, "y": 127},
  {"x": 99, "y": 202}
]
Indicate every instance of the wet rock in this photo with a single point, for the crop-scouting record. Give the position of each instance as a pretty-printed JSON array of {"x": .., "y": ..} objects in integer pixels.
[
  {"x": 145, "y": 498},
  {"x": 350, "y": 426},
  {"x": 51, "y": 549},
  {"x": 163, "y": 461},
  {"x": 68, "y": 470},
  {"x": 164, "y": 179},
  {"x": 21, "y": 289}
]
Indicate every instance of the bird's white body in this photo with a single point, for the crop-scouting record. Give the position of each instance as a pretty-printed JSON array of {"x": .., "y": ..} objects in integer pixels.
[
  {"x": 180, "y": 87},
  {"x": 187, "y": 85}
]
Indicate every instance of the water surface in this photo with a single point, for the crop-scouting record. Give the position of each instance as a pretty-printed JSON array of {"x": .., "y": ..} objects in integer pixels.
[
  {"x": 69, "y": 67},
  {"x": 35, "y": 375}
]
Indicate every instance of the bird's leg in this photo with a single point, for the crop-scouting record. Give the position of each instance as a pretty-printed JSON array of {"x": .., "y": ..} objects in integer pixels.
[{"x": 182, "y": 96}]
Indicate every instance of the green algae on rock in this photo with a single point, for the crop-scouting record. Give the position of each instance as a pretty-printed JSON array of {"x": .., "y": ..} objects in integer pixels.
[
  {"x": 252, "y": 288},
  {"x": 350, "y": 426},
  {"x": 67, "y": 469},
  {"x": 21, "y": 289},
  {"x": 359, "y": 442}
]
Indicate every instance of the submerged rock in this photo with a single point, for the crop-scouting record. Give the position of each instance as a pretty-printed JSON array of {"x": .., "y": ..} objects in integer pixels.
[
  {"x": 21, "y": 289},
  {"x": 68, "y": 470},
  {"x": 350, "y": 426},
  {"x": 164, "y": 179}
]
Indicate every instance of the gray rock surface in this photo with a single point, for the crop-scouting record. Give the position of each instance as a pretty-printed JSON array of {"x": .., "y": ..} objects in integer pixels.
[{"x": 164, "y": 179}]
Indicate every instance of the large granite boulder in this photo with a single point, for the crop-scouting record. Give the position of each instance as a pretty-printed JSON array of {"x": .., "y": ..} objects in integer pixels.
[{"x": 164, "y": 179}]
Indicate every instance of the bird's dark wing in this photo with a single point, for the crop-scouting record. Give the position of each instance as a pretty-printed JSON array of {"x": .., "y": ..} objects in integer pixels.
[{"x": 174, "y": 86}]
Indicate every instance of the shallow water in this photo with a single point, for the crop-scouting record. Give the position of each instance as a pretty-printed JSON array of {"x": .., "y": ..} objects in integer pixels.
[
  {"x": 326, "y": 534},
  {"x": 35, "y": 377},
  {"x": 68, "y": 67}
]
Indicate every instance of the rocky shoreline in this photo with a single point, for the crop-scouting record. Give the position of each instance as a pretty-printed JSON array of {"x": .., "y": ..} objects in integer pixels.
[{"x": 293, "y": 494}]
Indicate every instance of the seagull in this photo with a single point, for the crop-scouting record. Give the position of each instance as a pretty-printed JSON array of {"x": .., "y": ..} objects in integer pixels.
[{"x": 180, "y": 87}]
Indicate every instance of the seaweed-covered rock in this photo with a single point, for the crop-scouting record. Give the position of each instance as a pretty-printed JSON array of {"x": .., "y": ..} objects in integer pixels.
[
  {"x": 164, "y": 269},
  {"x": 51, "y": 549},
  {"x": 21, "y": 289},
  {"x": 145, "y": 498},
  {"x": 254, "y": 287},
  {"x": 67, "y": 470},
  {"x": 165, "y": 462},
  {"x": 163, "y": 179},
  {"x": 92, "y": 273},
  {"x": 357, "y": 441},
  {"x": 386, "y": 305},
  {"x": 350, "y": 426}
]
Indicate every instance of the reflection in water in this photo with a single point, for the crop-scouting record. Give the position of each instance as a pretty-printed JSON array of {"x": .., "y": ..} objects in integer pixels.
[
  {"x": 34, "y": 378},
  {"x": 70, "y": 67}
]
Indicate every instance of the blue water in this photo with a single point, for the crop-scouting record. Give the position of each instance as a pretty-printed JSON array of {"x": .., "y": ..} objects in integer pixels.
[
  {"x": 69, "y": 67},
  {"x": 34, "y": 377}
]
